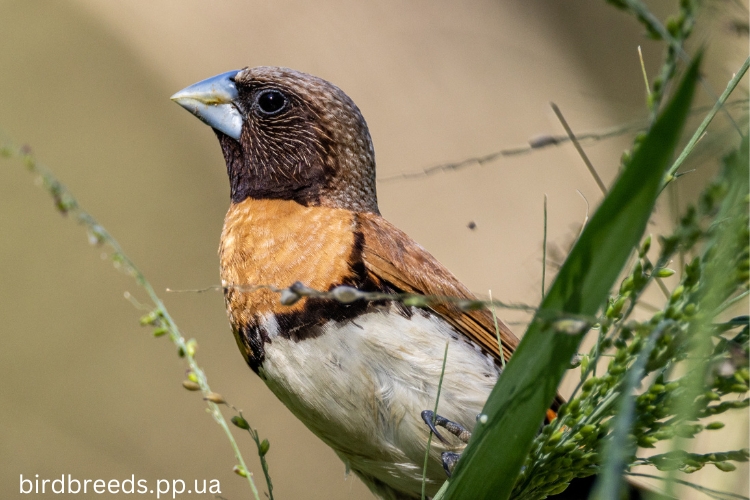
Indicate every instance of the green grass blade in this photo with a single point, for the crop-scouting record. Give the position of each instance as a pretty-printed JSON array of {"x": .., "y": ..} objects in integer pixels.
[
  {"x": 434, "y": 414},
  {"x": 518, "y": 402},
  {"x": 706, "y": 121}
]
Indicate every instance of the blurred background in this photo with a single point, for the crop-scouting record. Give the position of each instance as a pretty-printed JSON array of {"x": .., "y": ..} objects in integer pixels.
[{"x": 86, "y": 85}]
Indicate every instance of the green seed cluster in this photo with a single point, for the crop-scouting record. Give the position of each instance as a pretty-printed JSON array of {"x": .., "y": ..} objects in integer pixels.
[
  {"x": 570, "y": 446},
  {"x": 263, "y": 447},
  {"x": 691, "y": 462},
  {"x": 675, "y": 31}
]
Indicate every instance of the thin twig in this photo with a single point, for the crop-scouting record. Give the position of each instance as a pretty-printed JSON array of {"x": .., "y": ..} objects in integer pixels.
[
  {"x": 538, "y": 143},
  {"x": 578, "y": 147},
  {"x": 349, "y": 294},
  {"x": 662, "y": 287},
  {"x": 708, "y": 491},
  {"x": 68, "y": 205},
  {"x": 731, "y": 302}
]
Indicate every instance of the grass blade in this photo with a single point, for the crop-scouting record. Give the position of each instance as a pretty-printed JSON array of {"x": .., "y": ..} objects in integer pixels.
[
  {"x": 518, "y": 402},
  {"x": 706, "y": 121},
  {"x": 434, "y": 414}
]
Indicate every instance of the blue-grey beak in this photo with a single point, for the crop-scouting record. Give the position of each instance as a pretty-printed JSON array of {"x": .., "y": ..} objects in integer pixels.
[{"x": 212, "y": 101}]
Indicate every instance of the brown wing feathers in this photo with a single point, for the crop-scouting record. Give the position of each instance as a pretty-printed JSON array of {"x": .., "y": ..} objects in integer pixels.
[{"x": 390, "y": 255}]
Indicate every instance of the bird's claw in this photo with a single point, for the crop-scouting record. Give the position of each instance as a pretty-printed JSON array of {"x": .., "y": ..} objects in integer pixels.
[
  {"x": 432, "y": 420},
  {"x": 450, "y": 459}
]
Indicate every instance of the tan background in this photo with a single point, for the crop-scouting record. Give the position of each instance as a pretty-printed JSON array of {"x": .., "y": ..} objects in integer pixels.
[{"x": 86, "y": 83}]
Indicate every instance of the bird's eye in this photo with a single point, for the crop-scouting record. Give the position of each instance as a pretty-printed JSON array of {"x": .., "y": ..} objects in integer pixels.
[{"x": 271, "y": 102}]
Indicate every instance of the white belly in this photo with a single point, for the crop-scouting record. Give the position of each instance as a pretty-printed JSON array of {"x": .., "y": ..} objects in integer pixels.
[{"x": 360, "y": 386}]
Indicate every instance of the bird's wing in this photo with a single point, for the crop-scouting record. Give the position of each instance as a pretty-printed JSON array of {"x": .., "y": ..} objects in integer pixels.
[{"x": 390, "y": 256}]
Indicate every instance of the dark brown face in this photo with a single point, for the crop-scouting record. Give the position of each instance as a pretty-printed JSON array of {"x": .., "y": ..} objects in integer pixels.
[{"x": 301, "y": 139}]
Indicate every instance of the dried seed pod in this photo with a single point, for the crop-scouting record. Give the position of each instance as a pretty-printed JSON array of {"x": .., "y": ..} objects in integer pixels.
[
  {"x": 346, "y": 294},
  {"x": 301, "y": 289},
  {"x": 288, "y": 297},
  {"x": 215, "y": 397},
  {"x": 190, "y": 385}
]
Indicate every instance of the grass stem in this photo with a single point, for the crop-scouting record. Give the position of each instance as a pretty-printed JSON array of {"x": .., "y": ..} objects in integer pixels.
[
  {"x": 670, "y": 175},
  {"x": 67, "y": 204},
  {"x": 434, "y": 416}
]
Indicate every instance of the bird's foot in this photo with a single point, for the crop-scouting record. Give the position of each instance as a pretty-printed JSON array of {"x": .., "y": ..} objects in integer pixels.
[
  {"x": 450, "y": 459},
  {"x": 433, "y": 421}
]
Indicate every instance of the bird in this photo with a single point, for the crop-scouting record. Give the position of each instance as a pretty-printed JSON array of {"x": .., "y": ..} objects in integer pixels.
[{"x": 362, "y": 375}]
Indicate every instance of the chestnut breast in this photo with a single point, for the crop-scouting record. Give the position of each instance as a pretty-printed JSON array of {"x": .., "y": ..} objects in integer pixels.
[{"x": 276, "y": 243}]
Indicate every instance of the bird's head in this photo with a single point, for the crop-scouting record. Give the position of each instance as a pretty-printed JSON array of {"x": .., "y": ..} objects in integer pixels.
[{"x": 288, "y": 135}]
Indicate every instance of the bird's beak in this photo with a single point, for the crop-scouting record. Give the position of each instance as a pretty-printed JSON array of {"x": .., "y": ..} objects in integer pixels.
[{"x": 212, "y": 101}]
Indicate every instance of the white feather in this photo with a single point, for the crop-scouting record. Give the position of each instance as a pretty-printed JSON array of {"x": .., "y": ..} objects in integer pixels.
[{"x": 361, "y": 386}]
